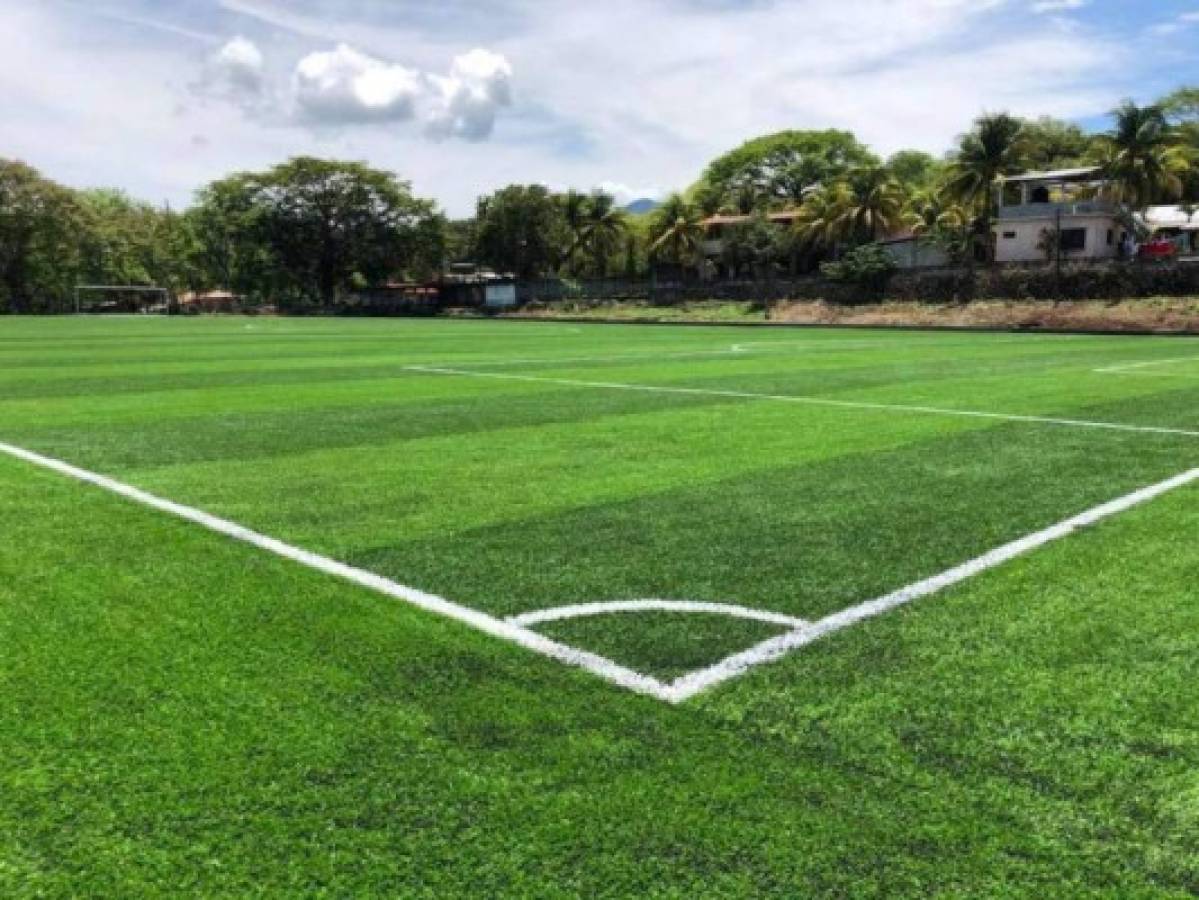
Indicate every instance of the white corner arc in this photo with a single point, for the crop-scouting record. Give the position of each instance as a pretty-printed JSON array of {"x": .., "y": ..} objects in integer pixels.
[{"x": 614, "y": 607}]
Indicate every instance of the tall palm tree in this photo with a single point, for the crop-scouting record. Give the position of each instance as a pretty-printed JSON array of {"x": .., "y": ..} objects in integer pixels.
[
  {"x": 677, "y": 232},
  {"x": 1142, "y": 158},
  {"x": 992, "y": 150},
  {"x": 605, "y": 225},
  {"x": 823, "y": 220},
  {"x": 877, "y": 202},
  {"x": 574, "y": 211}
]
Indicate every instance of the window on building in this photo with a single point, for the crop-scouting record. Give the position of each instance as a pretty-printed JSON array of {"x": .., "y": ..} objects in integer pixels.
[
  {"x": 1074, "y": 239},
  {"x": 1009, "y": 235},
  {"x": 1111, "y": 237}
]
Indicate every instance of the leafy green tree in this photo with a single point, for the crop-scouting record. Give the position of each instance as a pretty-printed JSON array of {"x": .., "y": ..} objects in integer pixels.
[
  {"x": 780, "y": 169},
  {"x": 1050, "y": 144},
  {"x": 128, "y": 242},
  {"x": 991, "y": 150},
  {"x": 41, "y": 224},
  {"x": 333, "y": 226},
  {"x": 461, "y": 240},
  {"x": 1142, "y": 156},
  {"x": 522, "y": 229},
  {"x": 757, "y": 244},
  {"x": 915, "y": 169},
  {"x": 230, "y": 246}
]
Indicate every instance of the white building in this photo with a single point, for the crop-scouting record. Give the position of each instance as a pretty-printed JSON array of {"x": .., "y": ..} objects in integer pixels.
[{"x": 1040, "y": 209}]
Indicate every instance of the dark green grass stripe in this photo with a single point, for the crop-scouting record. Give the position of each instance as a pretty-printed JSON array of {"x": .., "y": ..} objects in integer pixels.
[
  {"x": 269, "y": 435},
  {"x": 805, "y": 540},
  {"x": 662, "y": 644}
]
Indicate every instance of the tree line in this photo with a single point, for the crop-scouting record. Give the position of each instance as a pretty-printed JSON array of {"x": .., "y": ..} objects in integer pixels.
[{"x": 310, "y": 230}]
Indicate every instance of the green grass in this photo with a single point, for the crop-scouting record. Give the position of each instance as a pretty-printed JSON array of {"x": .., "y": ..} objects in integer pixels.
[{"x": 181, "y": 714}]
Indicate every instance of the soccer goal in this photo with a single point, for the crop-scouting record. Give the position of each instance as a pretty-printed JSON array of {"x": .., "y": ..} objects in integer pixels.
[{"x": 128, "y": 299}]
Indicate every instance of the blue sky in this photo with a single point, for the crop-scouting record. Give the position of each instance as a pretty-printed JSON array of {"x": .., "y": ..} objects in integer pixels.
[{"x": 463, "y": 96}]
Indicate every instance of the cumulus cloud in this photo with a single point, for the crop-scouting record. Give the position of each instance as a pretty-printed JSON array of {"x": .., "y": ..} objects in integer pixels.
[
  {"x": 236, "y": 71},
  {"x": 344, "y": 86},
  {"x": 465, "y": 103}
]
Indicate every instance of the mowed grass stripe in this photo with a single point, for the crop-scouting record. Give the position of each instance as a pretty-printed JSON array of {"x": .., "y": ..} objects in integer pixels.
[
  {"x": 441, "y": 485},
  {"x": 805, "y": 537}
]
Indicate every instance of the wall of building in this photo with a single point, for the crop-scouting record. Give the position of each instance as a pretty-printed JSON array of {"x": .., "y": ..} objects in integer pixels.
[
  {"x": 916, "y": 254},
  {"x": 1019, "y": 240}
]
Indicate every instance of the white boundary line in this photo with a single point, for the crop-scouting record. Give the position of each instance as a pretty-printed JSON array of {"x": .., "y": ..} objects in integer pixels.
[
  {"x": 1134, "y": 368},
  {"x": 583, "y": 610},
  {"x": 768, "y": 651},
  {"x": 806, "y": 400},
  {"x": 572, "y": 656},
  {"x": 681, "y": 689}
]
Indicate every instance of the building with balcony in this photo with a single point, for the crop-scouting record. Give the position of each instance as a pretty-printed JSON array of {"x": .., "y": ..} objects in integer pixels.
[{"x": 1042, "y": 211}]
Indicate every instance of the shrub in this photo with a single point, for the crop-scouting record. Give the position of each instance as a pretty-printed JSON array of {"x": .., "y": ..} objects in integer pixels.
[{"x": 868, "y": 267}]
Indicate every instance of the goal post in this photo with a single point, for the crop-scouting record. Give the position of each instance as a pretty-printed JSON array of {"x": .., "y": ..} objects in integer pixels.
[{"x": 93, "y": 299}]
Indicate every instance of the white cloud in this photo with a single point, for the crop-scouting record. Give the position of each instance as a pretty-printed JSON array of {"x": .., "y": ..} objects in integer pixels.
[
  {"x": 466, "y": 102},
  {"x": 1180, "y": 23},
  {"x": 626, "y": 194},
  {"x": 237, "y": 68},
  {"x": 1048, "y": 6},
  {"x": 634, "y": 92},
  {"x": 344, "y": 86}
]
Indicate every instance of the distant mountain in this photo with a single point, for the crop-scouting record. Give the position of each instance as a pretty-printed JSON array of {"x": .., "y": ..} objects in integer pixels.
[{"x": 644, "y": 205}]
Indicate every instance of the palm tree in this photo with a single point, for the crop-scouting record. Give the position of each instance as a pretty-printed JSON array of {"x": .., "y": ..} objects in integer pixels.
[
  {"x": 877, "y": 203},
  {"x": 824, "y": 220},
  {"x": 930, "y": 214},
  {"x": 677, "y": 232},
  {"x": 1141, "y": 157},
  {"x": 992, "y": 150},
  {"x": 574, "y": 211},
  {"x": 605, "y": 225}
]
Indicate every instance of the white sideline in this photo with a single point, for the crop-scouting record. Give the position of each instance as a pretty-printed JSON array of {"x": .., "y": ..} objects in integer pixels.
[
  {"x": 531, "y": 640},
  {"x": 807, "y": 400},
  {"x": 583, "y": 610},
  {"x": 1134, "y": 368},
  {"x": 771, "y": 650},
  {"x": 514, "y": 631}
]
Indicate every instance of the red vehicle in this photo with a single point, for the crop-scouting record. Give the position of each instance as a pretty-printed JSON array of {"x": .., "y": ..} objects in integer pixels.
[{"x": 1158, "y": 248}]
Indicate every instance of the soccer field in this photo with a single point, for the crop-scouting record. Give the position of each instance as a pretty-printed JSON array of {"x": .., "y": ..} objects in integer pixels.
[{"x": 438, "y": 608}]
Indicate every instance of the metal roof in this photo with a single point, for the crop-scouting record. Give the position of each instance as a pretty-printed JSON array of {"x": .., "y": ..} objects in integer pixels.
[{"x": 1059, "y": 175}]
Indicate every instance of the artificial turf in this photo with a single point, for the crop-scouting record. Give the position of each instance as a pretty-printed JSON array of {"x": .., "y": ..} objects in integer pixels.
[{"x": 182, "y": 714}]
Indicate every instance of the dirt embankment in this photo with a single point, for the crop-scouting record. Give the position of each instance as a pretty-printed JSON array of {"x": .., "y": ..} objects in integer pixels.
[{"x": 1161, "y": 314}]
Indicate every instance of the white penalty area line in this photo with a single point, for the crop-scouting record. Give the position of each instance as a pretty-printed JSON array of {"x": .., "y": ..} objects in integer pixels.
[{"x": 805, "y": 400}]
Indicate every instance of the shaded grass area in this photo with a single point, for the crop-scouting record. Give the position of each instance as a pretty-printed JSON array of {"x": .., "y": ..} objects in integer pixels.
[
  {"x": 662, "y": 644},
  {"x": 806, "y": 539}
]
